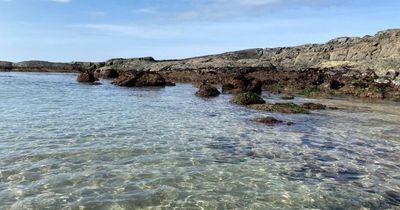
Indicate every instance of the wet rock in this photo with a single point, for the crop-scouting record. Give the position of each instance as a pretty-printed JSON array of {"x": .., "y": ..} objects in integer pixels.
[
  {"x": 268, "y": 121},
  {"x": 207, "y": 90},
  {"x": 247, "y": 98},
  {"x": 227, "y": 88},
  {"x": 314, "y": 106},
  {"x": 287, "y": 108},
  {"x": 140, "y": 79},
  {"x": 106, "y": 73},
  {"x": 86, "y": 77}
]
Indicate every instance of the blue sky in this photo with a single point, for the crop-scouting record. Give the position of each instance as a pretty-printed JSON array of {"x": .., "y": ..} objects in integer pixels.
[{"x": 96, "y": 30}]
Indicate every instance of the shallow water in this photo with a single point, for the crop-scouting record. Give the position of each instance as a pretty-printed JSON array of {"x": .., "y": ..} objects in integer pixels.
[{"x": 65, "y": 145}]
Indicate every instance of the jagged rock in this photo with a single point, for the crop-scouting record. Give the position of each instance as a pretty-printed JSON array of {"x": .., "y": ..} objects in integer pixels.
[
  {"x": 247, "y": 98},
  {"x": 207, "y": 90},
  {"x": 86, "y": 77}
]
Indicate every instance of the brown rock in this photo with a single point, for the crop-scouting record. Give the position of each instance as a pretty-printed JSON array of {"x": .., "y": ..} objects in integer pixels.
[
  {"x": 86, "y": 77},
  {"x": 247, "y": 98},
  {"x": 140, "y": 79},
  {"x": 207, "y": 90}
]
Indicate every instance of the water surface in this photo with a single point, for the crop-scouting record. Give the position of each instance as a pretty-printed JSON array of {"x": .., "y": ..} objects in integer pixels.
[{"x": 65, "y": 145}]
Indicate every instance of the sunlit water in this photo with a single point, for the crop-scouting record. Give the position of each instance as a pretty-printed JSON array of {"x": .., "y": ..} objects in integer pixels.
[{"x": 65, "y": 145}]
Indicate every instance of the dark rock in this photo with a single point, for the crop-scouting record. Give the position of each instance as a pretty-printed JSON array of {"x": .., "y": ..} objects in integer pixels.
[
  {"x": 227, "y": 88},
  {"x": 207, "y": 90},
  {"x": 268, "y": 121},
  {"x": 335, "y": 84},
  {"x": 314, "y": 106},
  {"x": 247, "y": 98},
  {"x": 287, "y": 108},
  {"x": 140, "y": 79},
  {"x": 86, "y": 77},
  {"x": 169, "y": 83}
]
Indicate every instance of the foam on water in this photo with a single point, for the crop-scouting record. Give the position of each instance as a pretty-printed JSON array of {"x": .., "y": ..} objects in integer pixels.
[{"x": 65, "y": 145}]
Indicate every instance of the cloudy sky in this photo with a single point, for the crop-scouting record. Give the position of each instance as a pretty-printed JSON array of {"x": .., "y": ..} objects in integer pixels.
[{"x": 96, "y": 30}]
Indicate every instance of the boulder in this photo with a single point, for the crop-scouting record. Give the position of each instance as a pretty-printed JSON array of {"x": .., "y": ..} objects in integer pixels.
[
  {"x": 86, "y": 77},
  {"x": 207, "y": 90},
  {"x": 106, "y": 73},
  {"x": 140, "y": 79},
  {"x": 247, "y": 98}
]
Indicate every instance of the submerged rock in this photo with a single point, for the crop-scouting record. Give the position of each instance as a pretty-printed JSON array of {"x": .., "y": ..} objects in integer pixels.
[
  {"x": 86, "y": 77},
  {"x": 207, "y": 90},
  {"x": 314, "y": 106},
  {"x": 268, "y": 121},
  {"x": 140, "y": 79},
  {"x": 247, "y": 98},
  {"x": 287, "y": 108}
]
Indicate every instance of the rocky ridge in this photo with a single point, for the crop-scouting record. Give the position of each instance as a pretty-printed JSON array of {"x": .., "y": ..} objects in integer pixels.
[{"x": 362, "y": 66}]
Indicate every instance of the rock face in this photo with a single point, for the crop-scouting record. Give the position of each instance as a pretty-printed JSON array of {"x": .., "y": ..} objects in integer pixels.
[
  {"x": 86, "y": 77},
  {"x": 140, "y": 79},
  {"x": 247, "y": 98},
  {"x": 207, "y": 90}
]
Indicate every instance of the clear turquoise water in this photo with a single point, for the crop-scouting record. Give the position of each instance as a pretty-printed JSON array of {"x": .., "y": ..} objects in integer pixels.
[{"x": 65, "y": 145}]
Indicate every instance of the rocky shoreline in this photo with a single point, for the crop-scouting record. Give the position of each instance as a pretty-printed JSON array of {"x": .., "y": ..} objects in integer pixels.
[{"x": 367, "y": 67}]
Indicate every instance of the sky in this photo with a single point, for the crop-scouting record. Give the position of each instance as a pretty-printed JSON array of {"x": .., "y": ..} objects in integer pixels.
[{"x": 97, "y": 30}]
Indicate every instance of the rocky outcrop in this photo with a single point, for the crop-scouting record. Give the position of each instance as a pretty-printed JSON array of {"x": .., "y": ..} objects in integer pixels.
[
  {"x": 241, "y": 83},
  {"x": 86, "y": 77},
  {"x": 207, "y": 90},
  {"x": 366, "y": 66},
  {"x": 140, "y": 79}
]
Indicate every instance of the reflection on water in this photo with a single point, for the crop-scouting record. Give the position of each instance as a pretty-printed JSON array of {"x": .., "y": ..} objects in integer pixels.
[{"x": 65, "y": 145}]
